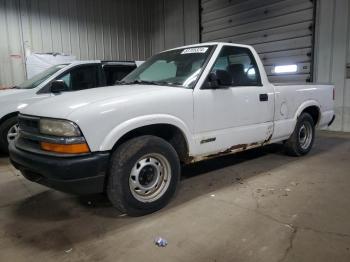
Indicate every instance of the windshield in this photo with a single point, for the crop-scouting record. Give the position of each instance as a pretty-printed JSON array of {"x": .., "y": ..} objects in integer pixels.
[
  {"x": 180, "y": 67},
  {"x": 41, "y": 77}
]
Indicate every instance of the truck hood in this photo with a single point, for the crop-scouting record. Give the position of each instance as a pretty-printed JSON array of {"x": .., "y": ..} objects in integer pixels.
[
  {"x": 106, "y": 112},
  {"x": 63, "y": 105}
]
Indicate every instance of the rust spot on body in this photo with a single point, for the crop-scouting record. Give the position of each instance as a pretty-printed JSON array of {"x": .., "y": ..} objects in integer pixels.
[
  {"x": 267, "y": 140},
  {"x": 235, "y": 148},
  {"x": 231, "y": 150},
  {"x": 238, "y": 147}
]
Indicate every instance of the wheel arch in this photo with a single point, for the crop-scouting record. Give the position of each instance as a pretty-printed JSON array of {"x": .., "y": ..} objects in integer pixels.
[
  {"x": 169, "y": 128},
  {"x": 313, "y": 108},
  {"x": 7, "y": 116}
]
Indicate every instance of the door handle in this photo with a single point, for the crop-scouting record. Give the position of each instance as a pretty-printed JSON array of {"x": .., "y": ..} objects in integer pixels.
[{"x": 263, "y": 97}]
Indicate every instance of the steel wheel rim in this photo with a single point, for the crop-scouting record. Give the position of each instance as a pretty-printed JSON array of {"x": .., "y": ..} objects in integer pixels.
[
  {"x": 150, "y": 177},
  {"x": 305, "y": 135},
  {"x": 12, "y": 133}
]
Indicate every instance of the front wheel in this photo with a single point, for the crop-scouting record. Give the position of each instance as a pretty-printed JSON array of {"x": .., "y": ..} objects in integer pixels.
[
  {"x": 302, "y": 139},
  {"x": 143, "y": 176},
  {"x": 8, "y": 132}
]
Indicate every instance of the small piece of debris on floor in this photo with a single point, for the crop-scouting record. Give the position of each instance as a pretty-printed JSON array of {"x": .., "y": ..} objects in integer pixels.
[
  {"x": 212, "y": 195},
  {"x": 69, "y": 250},
  {"x": 160, "y": 242},
  {"x": 288, "y": 189},
  {"x": 239, "y": 180},
  {"x": 289, "y": 226}
]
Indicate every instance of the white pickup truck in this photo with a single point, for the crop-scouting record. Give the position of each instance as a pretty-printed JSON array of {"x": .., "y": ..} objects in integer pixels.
[
  {"x": 71, "y": 76},
  {"x": 181, "y": 106}
]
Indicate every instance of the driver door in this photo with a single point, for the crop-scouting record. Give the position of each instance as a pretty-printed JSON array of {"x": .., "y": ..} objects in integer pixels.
[{"x": 238, "y": 115}]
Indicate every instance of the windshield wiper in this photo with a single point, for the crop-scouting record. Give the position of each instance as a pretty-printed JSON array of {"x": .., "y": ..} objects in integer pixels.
[
  {"x": 143, "y": 82},
  {"x": 139, "y": 82}
]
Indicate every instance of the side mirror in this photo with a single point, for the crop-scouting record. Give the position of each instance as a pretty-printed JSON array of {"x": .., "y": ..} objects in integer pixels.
[
  {"x": 219, "y": 79},
  {"x": 58, "y": 86}
]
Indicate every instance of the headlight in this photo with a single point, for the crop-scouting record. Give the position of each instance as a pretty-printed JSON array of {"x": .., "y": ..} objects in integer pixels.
[{"x": 56, "y": 127}]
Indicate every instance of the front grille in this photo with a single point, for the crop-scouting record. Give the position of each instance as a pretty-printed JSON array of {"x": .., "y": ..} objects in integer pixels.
[
  {"x": 29, "y": 123},
  {"x": 27, "y": 144}
]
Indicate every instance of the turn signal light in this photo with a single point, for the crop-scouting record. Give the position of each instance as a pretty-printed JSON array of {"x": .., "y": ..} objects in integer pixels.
[{"x": 65, "y": 149}]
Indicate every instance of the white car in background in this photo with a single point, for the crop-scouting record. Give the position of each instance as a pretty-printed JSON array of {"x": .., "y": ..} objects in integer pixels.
[{"x": 72, "y": 76}]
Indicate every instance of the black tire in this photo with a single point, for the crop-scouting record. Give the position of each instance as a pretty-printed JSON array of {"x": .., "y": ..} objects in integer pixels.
[
  {"x": 125, "y": 159},
  {"x": 294, "y": 146},
  {"x": 4, "y": 129}
]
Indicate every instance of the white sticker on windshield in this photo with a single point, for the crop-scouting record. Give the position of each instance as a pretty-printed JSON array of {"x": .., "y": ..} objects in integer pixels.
[{"x": 194, "y": 50}]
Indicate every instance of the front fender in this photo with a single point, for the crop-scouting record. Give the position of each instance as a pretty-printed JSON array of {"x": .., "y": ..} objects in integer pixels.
[{"x": 116, "y": 133}]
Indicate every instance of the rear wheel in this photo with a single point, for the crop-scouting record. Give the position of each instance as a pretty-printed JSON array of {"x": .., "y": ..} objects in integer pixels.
[
  {"x": 144, "y": 174},
  {"x": 302, "y": 139},
  {"x": 8, "y": 132}
]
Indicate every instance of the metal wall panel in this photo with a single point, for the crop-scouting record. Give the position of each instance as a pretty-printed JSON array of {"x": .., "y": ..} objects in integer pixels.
[
  {"x": 87, "y": 29},
  {"x": 174, "y": 23},
  {"x": 280, "y": 30},
  {"x": 332, "y": 53},
  {"x": 11, "y": 52}
]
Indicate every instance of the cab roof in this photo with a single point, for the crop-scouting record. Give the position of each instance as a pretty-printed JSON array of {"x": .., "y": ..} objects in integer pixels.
[{"x": 210, "y": 44}]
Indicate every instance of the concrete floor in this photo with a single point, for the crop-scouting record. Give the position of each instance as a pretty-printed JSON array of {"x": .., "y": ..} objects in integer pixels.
[{"x": 255, "y": 206}]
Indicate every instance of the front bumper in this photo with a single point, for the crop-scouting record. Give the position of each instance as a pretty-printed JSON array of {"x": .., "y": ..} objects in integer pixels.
[{"x": 77, "y": 174}]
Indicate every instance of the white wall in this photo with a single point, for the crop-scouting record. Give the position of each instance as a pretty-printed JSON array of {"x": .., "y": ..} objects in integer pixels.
[{"x": 332, "y": 54}]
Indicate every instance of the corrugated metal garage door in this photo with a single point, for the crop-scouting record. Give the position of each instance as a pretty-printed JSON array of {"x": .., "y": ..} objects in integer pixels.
[{"x": 280, "y": 30}]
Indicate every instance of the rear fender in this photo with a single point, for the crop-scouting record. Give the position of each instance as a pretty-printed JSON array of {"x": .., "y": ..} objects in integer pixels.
[{"x": 305, "y": 105}]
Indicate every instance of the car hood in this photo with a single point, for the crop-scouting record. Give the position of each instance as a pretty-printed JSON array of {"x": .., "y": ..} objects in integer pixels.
[
  {"x": 13, "y": 100},
  {"x": 11, "y": 94},
  {"x": 62, "y": 105}
]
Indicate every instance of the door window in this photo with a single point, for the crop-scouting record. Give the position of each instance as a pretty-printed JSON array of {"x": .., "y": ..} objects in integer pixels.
[
  {"x": 66, "y": 79},
  {"x": 116, "y": 73},
  {"x": 82, "y": 77},
  {"x": 221, "y": 63},
  {"x": 240, "y": 64}
]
